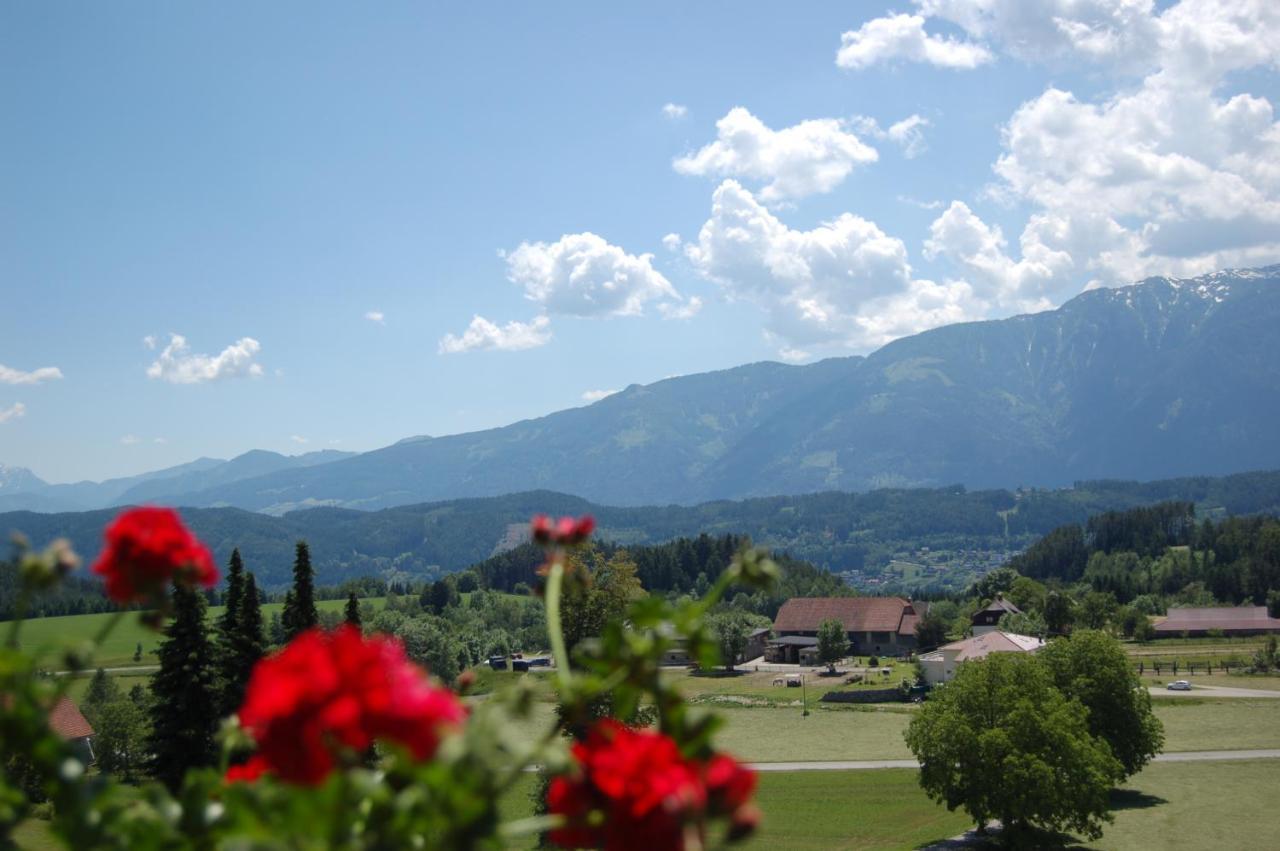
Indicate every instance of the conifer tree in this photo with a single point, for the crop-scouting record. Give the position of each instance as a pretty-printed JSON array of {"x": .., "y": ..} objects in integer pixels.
[
  {"x": 300, "y": 611},
  {"x": 227, "y": 638},
  {"x": 353, "y": 610},
  {"x": 246, "y": 647},
  {"x": 184, "y": 713}
]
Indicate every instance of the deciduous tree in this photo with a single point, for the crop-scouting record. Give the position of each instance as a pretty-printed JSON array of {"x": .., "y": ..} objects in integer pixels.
[
  {"x": 833, "y": 643},
  {"x": 1001, "y": 741},
  {"x": 1091, "y": 667}
]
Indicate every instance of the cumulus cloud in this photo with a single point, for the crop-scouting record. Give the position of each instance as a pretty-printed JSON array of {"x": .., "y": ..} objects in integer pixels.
[
  {"x": 596, "y": 395},
  {"x": 130, "y": 440},
  {"x": 176, "y": 363},
  {"x": 15, "y": 411},
  {"x": 902, "y": 37},
  {"x": 672, "y": 242},
  {"x": 583, "y": 275},
  {"x": 1035, "y": 282},
  {"x": 482, "y": 335},
  {"x": 299, "y": 439},
  {"x": 1175, "y": 170},
  {"x": 907, "y": 133},
  {"x": 845, "y": 282},
  {"x": 35, "y": 376},
  {"x": 376, "y": 316},
  {"x": 808, "y": 158},
  {"x": 674, "y": 111}
]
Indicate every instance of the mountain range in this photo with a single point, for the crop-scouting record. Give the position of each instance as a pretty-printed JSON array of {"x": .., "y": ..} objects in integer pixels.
[{"x": 1159, "y": 379}]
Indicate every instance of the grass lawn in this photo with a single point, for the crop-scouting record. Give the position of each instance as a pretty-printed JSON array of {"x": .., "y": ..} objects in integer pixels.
[
  {"x": 1265, "y": 682},
  {"x": 1195, "y": 805},
  {"x": 62, "y": 632},
  {"x": 1223, "y": 724},
  {"x": 850, "y": 810},
  {"x": 783, "y": 735}
]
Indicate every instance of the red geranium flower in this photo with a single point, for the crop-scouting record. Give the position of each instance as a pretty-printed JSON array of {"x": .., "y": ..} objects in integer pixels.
[
  {"x": 247, "y": 772},
  {"x": 329, "y": 691},
  {"x": 650, "y": 795},
  {"x": 567, "y": 531},
  {"x": 146, "y": 549}
]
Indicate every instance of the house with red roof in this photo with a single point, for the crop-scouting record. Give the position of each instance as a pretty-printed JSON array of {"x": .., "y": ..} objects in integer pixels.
[
  {"x": 874, "y": 625},
  {"x": 67, "y": 722}
]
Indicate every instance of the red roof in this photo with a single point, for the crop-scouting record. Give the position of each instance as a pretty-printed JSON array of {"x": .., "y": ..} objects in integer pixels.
[
  {"x": 858, "y": 614},
  {"x": 66, "y": 720},
  {"x": 1219, "y": 617}
]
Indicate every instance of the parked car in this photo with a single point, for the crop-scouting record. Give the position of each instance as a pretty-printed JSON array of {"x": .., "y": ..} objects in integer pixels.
[
  {"x": 498, "y": 663},
  {"x": 1179, "y": 685}
]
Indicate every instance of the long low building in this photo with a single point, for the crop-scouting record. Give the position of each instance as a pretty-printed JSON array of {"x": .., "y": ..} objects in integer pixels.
[
  {"x": 941, "y": 665},
  {"x": 1229, "y": 620},
  {"x": 879, "y": 625}
]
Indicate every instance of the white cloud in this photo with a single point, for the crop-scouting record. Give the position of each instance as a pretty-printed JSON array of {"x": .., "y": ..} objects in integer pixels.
[
  {"x": 907, "y": 133},
  {"x": 687, "y": 310},
  {"x": 36, "y": 376},
  {"x": 1036, "y": 282},
  {"x": 903, "y": 37},
  {"x": 791, "y": 355},
  {"x": 150, "y": 341},
  {"x": 583, "y": 275},
  {"x": 16, "y": 411},
  {"x": 159, "y": 440},
  {"x": 845, "y": 282},
  {"x": 675, "y": 111},
  {"x": 810, "y": 157},
  {"x": 130, "y": 440},
  {"x": 596, "y": 395},
  {"x": 299, "y": 439},
  {"x": 376, "y": 316},
  {"x": 1175, "y": 170},
  {"x": 482, "y": 335},
  {"x": 672, "y": 242},
  {"x": 177, "y": 365},
  {"x": 923, "y": 205}
]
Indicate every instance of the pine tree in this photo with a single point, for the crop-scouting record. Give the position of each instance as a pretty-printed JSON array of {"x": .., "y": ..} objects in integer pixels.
[
  {"x": 247, "y": 646},
  {"x": 300, "y": 610},
  {"x": 228, "y": 626},
  {"x": 353, "y": 610},
  {"x": 184, "y": 714}
]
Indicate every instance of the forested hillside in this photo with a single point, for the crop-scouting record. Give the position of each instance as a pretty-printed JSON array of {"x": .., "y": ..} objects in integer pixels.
[
  {"x": 834, "y": 531},
  {"x": 1164, "y": 552}
]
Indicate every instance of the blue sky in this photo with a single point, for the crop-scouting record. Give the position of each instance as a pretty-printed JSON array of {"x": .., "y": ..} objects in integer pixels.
[{"x": 260, "y": 179}]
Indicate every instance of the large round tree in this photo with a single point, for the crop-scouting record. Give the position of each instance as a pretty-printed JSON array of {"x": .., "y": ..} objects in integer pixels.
[
  {"x": 1091, "y": 667},
  {"x": 1002, "y": 742}
]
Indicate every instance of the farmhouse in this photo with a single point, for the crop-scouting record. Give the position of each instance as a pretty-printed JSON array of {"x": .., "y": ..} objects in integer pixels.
[
  {"x": 988, "y": 619},
  {"x": 1239, "y": 620},
  {"x": 67, "y": 722},
  {"x": 881, "y": 625},
  {"x": 941, "y": 665}
]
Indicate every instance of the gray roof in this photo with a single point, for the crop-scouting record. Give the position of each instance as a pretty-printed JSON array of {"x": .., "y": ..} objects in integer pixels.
[{"x": 796, "y": 640}]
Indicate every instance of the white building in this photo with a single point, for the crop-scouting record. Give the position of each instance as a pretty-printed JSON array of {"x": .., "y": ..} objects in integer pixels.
[{"x": 941, "y": 665}]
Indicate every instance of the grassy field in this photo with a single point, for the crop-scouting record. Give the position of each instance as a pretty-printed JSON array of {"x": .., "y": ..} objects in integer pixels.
[
  {"x": 1195, "y": 805},
  {"x": 56, "y": 634}
]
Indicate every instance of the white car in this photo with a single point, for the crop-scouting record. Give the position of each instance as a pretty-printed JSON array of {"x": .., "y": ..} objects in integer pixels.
[{"x": 1179, "y": 685}]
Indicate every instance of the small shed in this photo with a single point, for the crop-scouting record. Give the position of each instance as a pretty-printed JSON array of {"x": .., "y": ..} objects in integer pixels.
[{"x": 787, "y": 648}]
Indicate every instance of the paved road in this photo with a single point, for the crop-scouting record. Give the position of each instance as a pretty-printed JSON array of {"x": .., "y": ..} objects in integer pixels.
[
  {"x": 1214, "y": 691},
  {"x": 860, "y": 765}
]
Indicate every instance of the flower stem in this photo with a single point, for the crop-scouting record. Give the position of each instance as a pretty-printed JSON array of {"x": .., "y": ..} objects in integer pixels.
[
  {"x": 555, "y": 581},
  {"x": 532, "y": 824}
]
